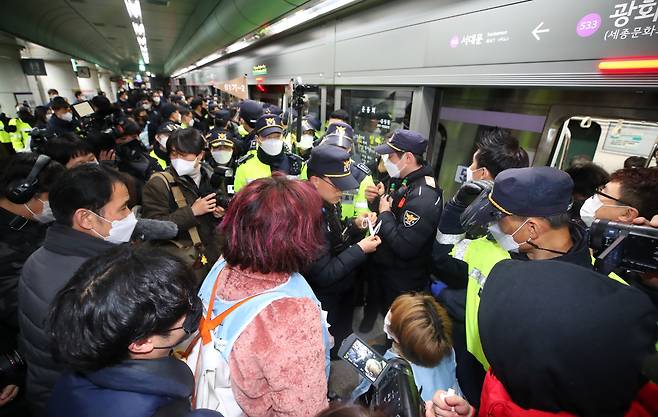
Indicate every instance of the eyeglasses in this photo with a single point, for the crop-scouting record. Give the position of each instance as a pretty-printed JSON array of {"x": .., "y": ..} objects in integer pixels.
[
  {"x": 599, "y": 191},
  {"x": 330, "y": 183}
]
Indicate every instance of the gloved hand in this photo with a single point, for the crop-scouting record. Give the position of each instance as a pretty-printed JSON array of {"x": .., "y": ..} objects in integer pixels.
[
  {"x": 469, "y": 191},
  {"x": 436, "y": 287}
]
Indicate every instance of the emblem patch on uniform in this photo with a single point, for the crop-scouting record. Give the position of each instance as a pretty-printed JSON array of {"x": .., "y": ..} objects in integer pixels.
[
  {"x": 340, "y": 130},
  {"x": 346, "y": 165},
  {"x": 271, "y": 121},
  {"x": 410, "y": 218}
]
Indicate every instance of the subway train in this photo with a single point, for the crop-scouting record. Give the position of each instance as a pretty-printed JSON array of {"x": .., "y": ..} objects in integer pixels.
[{"x": 568, "y": 78}]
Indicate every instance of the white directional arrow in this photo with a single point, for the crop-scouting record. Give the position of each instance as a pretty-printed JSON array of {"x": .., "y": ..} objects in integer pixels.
[{"x": 539, "y": 30}]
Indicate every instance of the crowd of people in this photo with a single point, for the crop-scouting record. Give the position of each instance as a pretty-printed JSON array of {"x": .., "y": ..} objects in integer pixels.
[{"x": 183, "y": 256}]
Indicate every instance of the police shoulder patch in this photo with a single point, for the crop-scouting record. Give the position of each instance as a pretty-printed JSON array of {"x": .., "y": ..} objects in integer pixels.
[
  {"x": 296, "y": 164},
  {"x": 244, "y": 158},
  {"x": 364, "y": 168},
  {"x": 410, "y": 218}
]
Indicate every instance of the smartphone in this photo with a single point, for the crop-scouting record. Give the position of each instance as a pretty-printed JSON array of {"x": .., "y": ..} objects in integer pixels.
[{"x": 362, "y": 357}]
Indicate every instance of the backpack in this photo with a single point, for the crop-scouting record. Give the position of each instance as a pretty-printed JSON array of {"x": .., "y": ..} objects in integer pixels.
[{"x": 223, "y": 322}]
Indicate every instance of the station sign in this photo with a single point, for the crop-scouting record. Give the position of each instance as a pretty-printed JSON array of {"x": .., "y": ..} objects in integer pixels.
[
  {"x": 259, "y": 70},
  {"x": 546, "y": 30}
]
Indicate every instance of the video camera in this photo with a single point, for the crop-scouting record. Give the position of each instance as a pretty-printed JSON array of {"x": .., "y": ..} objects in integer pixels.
[
  {"x": 623, "y": 245},
  {"x": 39, "y": 138},
  {"x": 393, "y": 390}
]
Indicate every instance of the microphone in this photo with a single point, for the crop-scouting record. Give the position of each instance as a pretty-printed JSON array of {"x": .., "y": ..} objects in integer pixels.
[{"x": 149, "y": 229}]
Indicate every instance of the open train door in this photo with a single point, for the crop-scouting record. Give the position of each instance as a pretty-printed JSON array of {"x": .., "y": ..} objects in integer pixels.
[{"x": 607, "y": 142}]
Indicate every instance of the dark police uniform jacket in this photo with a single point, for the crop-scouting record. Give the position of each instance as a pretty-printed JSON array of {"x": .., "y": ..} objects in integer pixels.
[{"x": 403, "y": 259}]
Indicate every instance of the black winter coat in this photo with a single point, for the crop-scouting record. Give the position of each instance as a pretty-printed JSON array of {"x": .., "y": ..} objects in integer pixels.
[{"x": 45, "y": 272}]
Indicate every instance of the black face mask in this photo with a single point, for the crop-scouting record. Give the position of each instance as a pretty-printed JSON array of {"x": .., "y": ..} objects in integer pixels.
[{"x": 191, "y": 322}]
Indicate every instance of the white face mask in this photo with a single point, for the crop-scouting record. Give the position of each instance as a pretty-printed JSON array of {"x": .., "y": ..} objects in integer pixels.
[
  {"x": 48, "y": 116},
  {"x": 222, "y": 157},
  {"x": 162, "y": 140},
  {"x": 184, "y": 167},
  {"x": 190, "y": 123},
  {"x": 46, "y": 215},
  {"x": 505, "y": 241},
  {"x": 120, "y": 230},
  {"x": 67, "y": 117},
  {"x": 156, "y": 100},
  {"x": 146, "y": 106},
  {"x": 272, "y": 147},
  {"x": 306, "y": 142},
  {"x": 393, "y": 170},
  {"x": 591, "y": 206}
]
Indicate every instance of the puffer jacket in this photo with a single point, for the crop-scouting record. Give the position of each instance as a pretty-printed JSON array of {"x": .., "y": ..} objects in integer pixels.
[{"x": 45, "y": 272}]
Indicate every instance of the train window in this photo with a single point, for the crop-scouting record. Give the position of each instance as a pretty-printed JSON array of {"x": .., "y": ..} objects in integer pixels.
[
  {"x": 606, "y": 142},
  {"x": 464, "y": 126},
  {"x": 374, "y": 114}
]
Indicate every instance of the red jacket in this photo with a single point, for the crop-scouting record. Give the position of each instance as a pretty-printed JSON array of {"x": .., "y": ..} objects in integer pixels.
[{"x": 495, "y": 402}]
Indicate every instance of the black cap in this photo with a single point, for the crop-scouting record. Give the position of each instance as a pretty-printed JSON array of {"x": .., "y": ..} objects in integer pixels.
[
  {"x": 310, "y": 123},
  {"x": 535, "y": 191},
  {"x": 341, "y": 129},
  {"x": 404, "y": 141},
  {"x": 219, "y": 138},
  {"x": 167, "y": 109},
  {"x": 222, "y": 116},
  {"x": 250, "y": 111},
  {"x": 333, "y": 163},
  {"x": 268, "y": 124},
  {"x": 555, "y": 332},
  {"x": 272, "y": 109}
]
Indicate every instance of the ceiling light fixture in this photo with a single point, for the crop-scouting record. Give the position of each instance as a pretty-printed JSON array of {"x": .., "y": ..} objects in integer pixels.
[
  {"x": 318, "y": 9},
  {"x": 134, "y": 9}
]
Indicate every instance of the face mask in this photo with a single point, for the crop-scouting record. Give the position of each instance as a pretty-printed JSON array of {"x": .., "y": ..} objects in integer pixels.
[
  {"x": 392, "y": 169},
  {"x": 222, "y": 157},
  {"x": 179, "y": 118},
  {"x": 184, "y": 167},
  {"x": 48, "y": 116},
  {"x": 272, "y": 147},
  {"x": 190, "y": 123},
  {"x": 67, "y": 117},
  {"x": 156, "y": 100},
  {"x": 46, "y": 215},
  {"x": 505, "y": 241},
  {"x": 306, "y": 142},
  {"x": 120, "y": 230},
  {"x": 162, "y": 140},
  {"x": 590, "y": 207},
  {"x": 469, "y": 174},
  {"x": 146, "y": 106}
]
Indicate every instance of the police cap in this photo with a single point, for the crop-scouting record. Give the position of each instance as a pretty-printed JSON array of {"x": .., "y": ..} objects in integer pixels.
[
  {"x": 250, "y": 111},
  {"x": 335, "y": 164},
  {"x": 404, "y": 141},
  {"x": 268, "y": 124},
  {"x": 219, "y": 138}
]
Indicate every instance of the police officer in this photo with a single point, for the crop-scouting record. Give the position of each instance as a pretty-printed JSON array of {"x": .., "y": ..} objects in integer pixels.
[
  {"x": 526, "y": 213},
  {"x": 341, "y": 134},
  {"x": 269, "y": 155},
  {"x": 221, "y": 159},
  {"x": 159, "y": 151},
  {"x": 332, "y": 275},
  {"x": 20, "y": 139},
  {"x": 409, "y": 211},
  {"x": 303, "y": 146},
  {"x": 250, "y": 112}
]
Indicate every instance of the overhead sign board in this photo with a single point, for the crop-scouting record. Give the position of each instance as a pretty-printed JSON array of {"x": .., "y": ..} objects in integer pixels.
[
  {"x": 259, "y": 70},
  {"x": 236, "y": 86},
  {"x": 546, "y": 30},
  {"x": 33, "y": 66}
]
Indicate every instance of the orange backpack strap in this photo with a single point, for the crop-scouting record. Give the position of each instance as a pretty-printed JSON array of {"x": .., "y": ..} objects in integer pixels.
[{"x": 208, "y": 324}]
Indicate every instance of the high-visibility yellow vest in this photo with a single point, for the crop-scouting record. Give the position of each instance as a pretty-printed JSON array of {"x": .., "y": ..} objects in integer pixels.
[
  {"x": 354, "y": 204},
  {"x": 4, "y": 136},
  {"x": 481, "y": 255},
  {"x": 161, "y": 161},
  {"x": 20, "y": 139}
]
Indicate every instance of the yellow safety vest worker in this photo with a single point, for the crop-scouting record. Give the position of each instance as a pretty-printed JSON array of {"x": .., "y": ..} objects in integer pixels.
[
  {"x": 354, "y": 204},
  {"x": 5, "y": 137},
  {"x": 20, "y": 139},
  {"x": 481, "y": 255},
  {"x": 161, "y": 161},
  {"x": 250, "y": 168}
]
